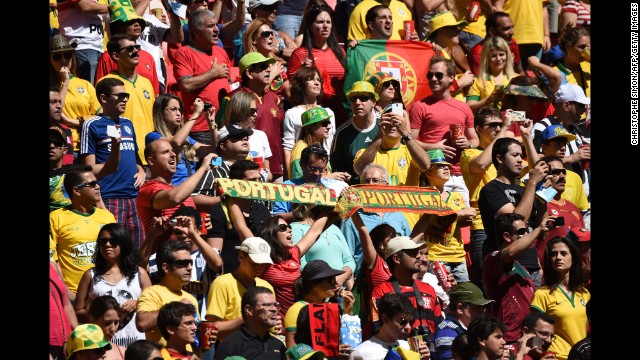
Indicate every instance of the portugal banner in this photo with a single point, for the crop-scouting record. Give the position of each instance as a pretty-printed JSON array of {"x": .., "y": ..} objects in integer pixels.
[{"x": 407, "y": 61}]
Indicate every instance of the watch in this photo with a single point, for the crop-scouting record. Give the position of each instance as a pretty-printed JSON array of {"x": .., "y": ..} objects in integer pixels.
[{"x": 405, "y": 139}]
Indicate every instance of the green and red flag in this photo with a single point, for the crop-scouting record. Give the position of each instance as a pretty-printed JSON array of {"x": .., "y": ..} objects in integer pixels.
[{"x": 407, "y": 61}]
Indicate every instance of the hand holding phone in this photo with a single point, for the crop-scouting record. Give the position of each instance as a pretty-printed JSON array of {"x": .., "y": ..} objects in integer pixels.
[
  {"x": 535, "y": 342},
  {"x": 217, "y": 161},
  {"x": 113, "y": 131},
  {"x": 516, "y": 116}
]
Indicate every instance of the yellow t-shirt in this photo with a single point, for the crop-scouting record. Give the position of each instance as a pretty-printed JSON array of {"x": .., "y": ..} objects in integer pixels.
[
  {"x": 482, "y": 88},
  {"x": 477, "y": 27},
  {"x": 580, "y": 78},
  {"x": 53, "y": 14},
  {"x": 225, "y": 295},
  {"x": 73, "y": 241},
  {"x": 291, "y": 318},
  {"x": 80, "y": 100},
  {"x": 459, "y": 9},
  {"x": 358, "y": 28},
  {"x": 527, "y": 20},
  {"x": 574, "y": 191},
  {"x": 570, "y": 317},
  {"x": 153, "y": 298},
  {"x": 475, "y": 182},
  {"x": 440, "y": 225},
  {"x": 398, "y": 162},
  {"x": 139, "y": 107}
]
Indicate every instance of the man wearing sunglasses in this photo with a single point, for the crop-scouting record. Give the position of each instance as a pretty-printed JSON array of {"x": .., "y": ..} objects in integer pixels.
[
  {"x": 75, "y": 227},
  {"x": 505, "y": 279},
  {"x": 139, "y": 107},
  {"x": 175, "y": 265},
  {"x": 357, "y": 132}
]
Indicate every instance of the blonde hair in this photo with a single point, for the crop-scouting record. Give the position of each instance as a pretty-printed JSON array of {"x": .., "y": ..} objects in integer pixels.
[
  {"x": 251, "y": 33},
  {"x": 239, "y": 107},
  {"x": 161, "y": 103},
  {"x": 490, "y": 44}
]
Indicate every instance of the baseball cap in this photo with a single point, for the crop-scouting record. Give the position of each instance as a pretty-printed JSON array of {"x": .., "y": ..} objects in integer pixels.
[
  {"x": 571, "y": 92},
  {"x": 314, "y": 115},
  {"x": 55, "y": 134},
  {"x": 402, "y": 243},
  {"x": 257, "y": 249},
  {"x": 304, "y": 352},
  {"x": 86, "y": 337},
  {"x": 467, "y": 292},
  {"x": 363, "y": 87},
  {"x": 437, "y": 157},
  {"x": 556, "y": 131},
  {"x": 232, "y": 130},
  {"x": 444, "y": 19},
  {"x": 253, "y": 4},
  {"x": 318, "y": 269},
  {"x": 253, "y": 58},
  {"x": 380, "y": 78}
]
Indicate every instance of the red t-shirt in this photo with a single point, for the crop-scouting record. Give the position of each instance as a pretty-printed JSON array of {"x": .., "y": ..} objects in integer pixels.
[
  {"x": 59, "y": 325},
  {"x": 146, "y": 68},
  {"x": 476, "y": 52},
  {"x": 269, "y": 119},
  {"x": 431, "y": 313},
  {"x": 146, "y": 212},
  {"x": 433, "y": 118},
  {"x": 189, "y": 62},
  {"x": 281, "y": 276},
  {"x": 373, "y": 277},
  {"x": 572, "y": 221}
]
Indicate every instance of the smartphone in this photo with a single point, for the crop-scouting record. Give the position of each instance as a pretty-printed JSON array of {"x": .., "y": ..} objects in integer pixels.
[
  {"x": 516, "y": 116},
  {"x": 559, "y": 221},
  {"x": 394, "y": 108},
  {"x": 216, "y": 161},
  {"x": 113, "y": 131},
  {"x": 535, "y": 341},
  {"x": 207, "y": 106}
]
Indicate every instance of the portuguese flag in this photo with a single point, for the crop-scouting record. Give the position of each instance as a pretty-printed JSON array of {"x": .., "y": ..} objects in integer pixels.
[{"x": 407, "y": 61}]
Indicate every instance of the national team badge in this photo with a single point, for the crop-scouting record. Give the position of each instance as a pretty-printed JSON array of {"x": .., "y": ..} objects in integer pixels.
[
  {"x": 274, "y": 112},
  {"x": 146, "y": 94},
  {"x": 582, "y": 302},
  {"x": 402, "y": 163},
  {"x": 80, "y": 90},
  {"x": 554, "y": 212}
]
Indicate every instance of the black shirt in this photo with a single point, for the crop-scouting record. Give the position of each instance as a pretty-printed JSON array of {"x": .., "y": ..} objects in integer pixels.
[
  {"x": 251, "y": 346},
  {"x": 493, "y": 196}
]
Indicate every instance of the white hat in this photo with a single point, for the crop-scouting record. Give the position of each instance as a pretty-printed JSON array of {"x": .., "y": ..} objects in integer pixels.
[
  {"x": 253, "y": 4},
  {"x": 257, "y": 249},
  {"x": 402, "y": 243},
  {"x": 571, "y": 92}
]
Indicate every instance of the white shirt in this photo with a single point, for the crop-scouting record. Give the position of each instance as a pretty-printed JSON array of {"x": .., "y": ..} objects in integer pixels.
[{"x": 375, "y": 349}]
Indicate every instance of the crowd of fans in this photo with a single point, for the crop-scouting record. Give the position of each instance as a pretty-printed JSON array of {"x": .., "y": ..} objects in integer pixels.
[{"x": 153, "y": 101}]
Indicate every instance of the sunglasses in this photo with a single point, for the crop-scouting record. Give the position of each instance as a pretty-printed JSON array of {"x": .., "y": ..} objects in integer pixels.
[
  {"x": 130, "y": 48},
  {"x": 557, "y": 172},
  {"x": 268, "y": 8},
  {"x": 325, "y": 123},
  {"x": 182, "y": 263},
  {"x": 268, "y": 306},
  {"x": 522, "y": 231},
  {"x": 284, "y": 227},
  {"x": 493, "y": 125},
  {"x": 362, "y": 98},
  {"x": 57, "y": 143},
  {"x": 105, "y": 240},
  {"x": 266, "y": 34},
  {"x": 91, "y": 184},
  {"x": 237, "y": 138},
  {"x": 403, "y": 322},
  {"x": 121, "y": 96},
  {"x": 373, "y": 181},
  {"x": 66, "y": 55},
  {"x": 254, "y": 111},
  {"x": 315, "y": 169},
  {"x": 440, "y": 166},
  {"x": 438, "y": 75}
]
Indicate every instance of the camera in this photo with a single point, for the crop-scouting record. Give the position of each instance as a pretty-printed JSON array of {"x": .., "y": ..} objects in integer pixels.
[
  {"x": 173, "y": 222},
  {"x": 553, "y": 223},
  {"x": 207, "y": 106},
  {"x": 216, "y": 161}
]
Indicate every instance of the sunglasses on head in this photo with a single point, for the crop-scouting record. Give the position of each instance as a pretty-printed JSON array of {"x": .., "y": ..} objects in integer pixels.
[
  {"x": 266, "y": 34},
  {"x": 104, "y": 240},
  {"x": 182, "y": 263},
  {"x": 130, "y": 48},
  {"x": 362, "y": 98},
  {"x": 438, "y": 75},
  {"x": 284, "y": 227},
  {"x": 66, "y": 55},
  {"x": 90, "y": 184}
]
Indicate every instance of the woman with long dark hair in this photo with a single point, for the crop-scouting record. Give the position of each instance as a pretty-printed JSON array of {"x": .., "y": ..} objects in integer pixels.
[
  {"x": 105, "y": 312},
  {"x": 563, "y": 295},
  {"x": 320, "y": 48},
  {"x": 116, "y": 273}
]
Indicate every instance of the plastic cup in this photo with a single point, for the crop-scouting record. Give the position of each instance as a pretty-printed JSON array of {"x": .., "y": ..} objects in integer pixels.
[
  {"x": 205, "y": 331},
  {"x": 456, "y": 131}
]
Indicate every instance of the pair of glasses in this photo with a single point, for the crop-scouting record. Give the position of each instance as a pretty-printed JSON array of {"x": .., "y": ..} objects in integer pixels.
[
  {"x": 254, "y": 111},
  {"x": 67, "y": 55},
  {"x": 522, "y": 231},
  {"x": 235, "y": 139},
  {"x": 403, "y": 322},
  {"x": 268, "y": 8},
  {"x": 275, "y": 305},
  {"x": 104, "y": 240},
  {"x": 91, "y": 184},
  {"x": 493, "y": 125},
  {"x": 284, "y": 227},
  {"x": 266, "y": 34},
  {"x": 557, "y": 172},
  {"x": 325, "y": 123},
  {"x": 259, "y": 67},
  {"x": 438, "y": 75},
  {"x": 440, "y": 166},
  {"x": 362, "y": 98},
  {"x": 374, "y": 181},
  {"x": 130, "y": 48},
  {"x": 174, "y": 109},
  {"x": 315, "y": 169},
  {"x": 57, "y": 143},
  {"x": 182, "y": 263},
  {"x": 546, "y": 334},
  {"x": 121, "y": 96}
]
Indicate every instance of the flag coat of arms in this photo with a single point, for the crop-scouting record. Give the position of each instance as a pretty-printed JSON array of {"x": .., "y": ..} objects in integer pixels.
[{"x": 407, "y": 61}]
